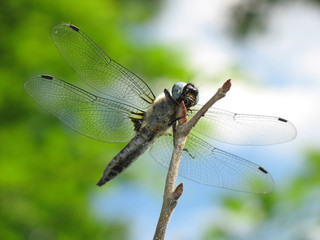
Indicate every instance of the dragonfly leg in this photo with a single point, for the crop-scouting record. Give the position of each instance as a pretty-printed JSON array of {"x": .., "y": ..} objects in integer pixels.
[
  {"x": 192, "y": 156},
  {"x": 170, "y": 98}
]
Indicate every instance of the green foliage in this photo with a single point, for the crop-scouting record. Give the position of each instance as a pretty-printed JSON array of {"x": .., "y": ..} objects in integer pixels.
[{"x": 47, "y": 172}]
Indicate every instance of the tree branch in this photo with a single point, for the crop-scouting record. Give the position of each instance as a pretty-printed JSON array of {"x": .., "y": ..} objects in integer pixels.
[{"x": 171, "y": 195}]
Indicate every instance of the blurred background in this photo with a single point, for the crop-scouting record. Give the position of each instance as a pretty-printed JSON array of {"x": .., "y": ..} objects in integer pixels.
[{"x": 269, "y": 48}]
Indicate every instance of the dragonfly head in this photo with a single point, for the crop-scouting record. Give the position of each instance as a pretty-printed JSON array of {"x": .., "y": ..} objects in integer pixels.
[{"x": 185, "y": 92}]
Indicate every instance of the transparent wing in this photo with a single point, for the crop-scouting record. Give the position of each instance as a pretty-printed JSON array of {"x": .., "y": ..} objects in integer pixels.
[
  {"x": 98, "y": 70},
  {"x": 203, "y": 163},
  {"x": 243, "y": 129},
  {"x": 93, "y": 116}
]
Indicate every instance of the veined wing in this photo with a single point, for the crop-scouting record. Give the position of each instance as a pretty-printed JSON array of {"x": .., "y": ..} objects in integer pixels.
[
  {"x": 243, "y": 129},
  {"x": 98, "y": 70},
  {"x": 203, "y": 163},
  {"x": 90, "y": 115}
]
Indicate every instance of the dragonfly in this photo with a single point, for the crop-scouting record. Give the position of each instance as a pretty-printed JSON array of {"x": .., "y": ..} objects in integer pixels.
[{"x": 124, "y": 109}]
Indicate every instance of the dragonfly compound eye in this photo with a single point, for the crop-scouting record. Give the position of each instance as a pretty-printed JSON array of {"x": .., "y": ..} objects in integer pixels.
[{"x": 177, "y": 89}]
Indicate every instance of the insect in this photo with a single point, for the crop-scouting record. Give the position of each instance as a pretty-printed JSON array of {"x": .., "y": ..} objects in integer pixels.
[{"x": 126, "y": 110}]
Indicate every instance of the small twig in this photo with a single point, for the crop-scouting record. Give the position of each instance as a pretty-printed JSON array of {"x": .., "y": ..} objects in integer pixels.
[{"x": 171, "y": 195}]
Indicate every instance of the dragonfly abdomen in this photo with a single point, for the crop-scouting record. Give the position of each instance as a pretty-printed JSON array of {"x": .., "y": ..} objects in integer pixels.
[{"x": 135, "y": 148}]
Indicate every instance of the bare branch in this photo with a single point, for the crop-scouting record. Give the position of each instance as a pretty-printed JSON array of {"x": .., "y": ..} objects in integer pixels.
[{"x": 171, "y": 195}]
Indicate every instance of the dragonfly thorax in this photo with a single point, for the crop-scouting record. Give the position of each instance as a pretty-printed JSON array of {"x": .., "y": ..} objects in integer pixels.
[{"x": 160, "y": 114}]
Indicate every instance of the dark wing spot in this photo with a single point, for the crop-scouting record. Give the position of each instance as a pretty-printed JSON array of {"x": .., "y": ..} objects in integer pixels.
[
  {"x": 74, "y": 27},
  {"x": 263, "y": 170},
  {"x": 46, "y": 76},
  {"x": 282, "y": 120}
]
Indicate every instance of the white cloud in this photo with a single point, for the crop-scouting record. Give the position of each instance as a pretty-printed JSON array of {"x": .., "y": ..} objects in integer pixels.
[{"x": 289, "y": 51}]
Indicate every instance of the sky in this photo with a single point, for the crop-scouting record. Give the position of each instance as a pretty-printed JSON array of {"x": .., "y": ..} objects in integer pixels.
[{"x": 282, "y": 65}]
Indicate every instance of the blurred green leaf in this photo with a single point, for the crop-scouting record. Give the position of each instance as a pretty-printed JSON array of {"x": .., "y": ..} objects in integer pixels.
[{"x": 47, "y": 172}]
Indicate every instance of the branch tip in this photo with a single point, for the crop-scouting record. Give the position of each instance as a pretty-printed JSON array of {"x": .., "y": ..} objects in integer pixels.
[{"x": 227, "y": 85}]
